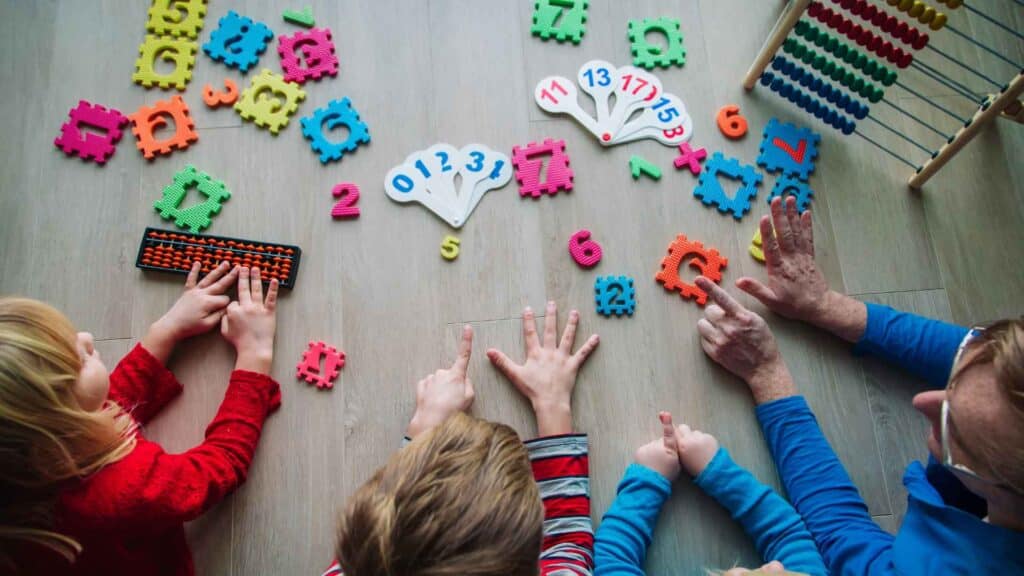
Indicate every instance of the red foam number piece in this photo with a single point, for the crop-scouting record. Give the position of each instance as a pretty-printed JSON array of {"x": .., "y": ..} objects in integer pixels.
[
  {"x": 309, "y": 369},
  {"x": 797, "y": 155},
  {"x": 584, "y": 251},
  {"x": 346, "y": 207},
  {"x": 528, "y": 168},
  {"x": 690, "y": 158},
  {"x": 89, "y": 146},
  {"x": 708, "y": 261},
  {"x": 730, "y": 122},
  {"x": 148, "y": 119}
]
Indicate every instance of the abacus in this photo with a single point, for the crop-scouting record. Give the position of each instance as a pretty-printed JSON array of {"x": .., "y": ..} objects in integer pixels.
[
  {"x": 851, "y": 53},
  {"x": 170, "y": 251}
]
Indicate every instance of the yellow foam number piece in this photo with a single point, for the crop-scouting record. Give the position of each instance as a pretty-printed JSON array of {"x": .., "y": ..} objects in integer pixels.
[
  {"x": 180, "y": 51},
  {"x": 176, "y": 17},
  {"x": 756, "y": 247},
  {"x": 269, "y": 101},
  {"x": 450, "y": 248}
]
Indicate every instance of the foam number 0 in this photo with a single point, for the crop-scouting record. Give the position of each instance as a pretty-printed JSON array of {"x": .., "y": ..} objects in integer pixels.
[
  {"x": 346, "y": 206},
  {"x": 450, "y": 248},
  {"x": 730, "y": 122},
  {"x": 584, "y": 251}
]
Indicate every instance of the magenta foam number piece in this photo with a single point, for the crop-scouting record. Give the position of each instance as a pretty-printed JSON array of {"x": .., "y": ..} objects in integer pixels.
[
  {"x": 585, "y": 252},
  {"x": 318, "y": 55},
  {"x": 690, "y": 158},
  {"x": 528, "y": 168},
  {"x": 88, "y": 145},
  {"x": 346, "y": 207}
]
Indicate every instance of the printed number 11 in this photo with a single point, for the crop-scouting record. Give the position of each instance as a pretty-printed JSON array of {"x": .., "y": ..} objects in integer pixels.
[{"x": 554, "y": 86}]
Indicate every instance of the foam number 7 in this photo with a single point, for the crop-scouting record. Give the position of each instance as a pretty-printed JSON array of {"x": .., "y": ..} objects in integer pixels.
[
  {"x": 597, "y": 78},
  {"x": 730, "y": 122},
  {"x": 346, "y": 206},
  {"x": 558, "y": 95}
]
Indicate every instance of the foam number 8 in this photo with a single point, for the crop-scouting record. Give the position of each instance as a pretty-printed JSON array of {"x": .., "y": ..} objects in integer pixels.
[
  {"x": 450, "y": 248},
  {"x": 584, "y": 251},
  {"x": 730, "y": 122}
]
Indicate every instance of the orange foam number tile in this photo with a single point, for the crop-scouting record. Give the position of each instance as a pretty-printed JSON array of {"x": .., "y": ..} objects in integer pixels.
[
  {"x": 707, "y": 261},
  {"x": 147, "y": 119},
  {"x": 216, "y": 99},
  {"x": 730, "y": 122}
]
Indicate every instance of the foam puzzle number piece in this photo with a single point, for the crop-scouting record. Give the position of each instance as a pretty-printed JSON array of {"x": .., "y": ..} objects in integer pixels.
[
  {"x": 648, "y": 55},
  {"x": 309, "y": 368},
  {"x": 560, "y": 19},
  {"x": 336, "y": 113},
  {"x": 756, "y": 248},
  {"x": 586, "y": 252},
  {"x": 197, "y": 217},
  {"x": 788, "y": 149},
  {"x": 318, "y": 55},
  {"x": 730, "y": 122},
  {"x": 217, "y": 99},
  {"x": 269, "y": 101},
  {"x": 180, "y": 51},
  {"x": 88, "y": 145},
  {"x": 238, "y": 41},
  {"x": 346, "y": 207},
  {"x": 614, "y": 295},
  {"x": 638, "y": 166},
  {"x": 147, "y": 119},
  {"x": 528, "y": 168},
  {"x": 176, "y": 17},
  {"x": 690, "y": 158},
  {"x": 450, "y": 248},
  {"x": 707, "y": 261},
  {"x": 710, "y": 190},
  {"x": 791, "y": 186}
]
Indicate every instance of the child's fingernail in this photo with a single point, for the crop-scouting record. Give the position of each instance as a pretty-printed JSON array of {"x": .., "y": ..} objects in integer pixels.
[
  {"x": 551, "y": 303},
  {"x": 527, "y": 310}
]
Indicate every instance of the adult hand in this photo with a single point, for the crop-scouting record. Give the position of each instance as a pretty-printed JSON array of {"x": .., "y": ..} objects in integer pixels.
[
  {"x": 250, "y": 322},
  {"x": 548, "y": 375},
  {"x": 445, "y": 392},
  {"x": 695, "y": 449},
  {"x": 662, "y": 454}
]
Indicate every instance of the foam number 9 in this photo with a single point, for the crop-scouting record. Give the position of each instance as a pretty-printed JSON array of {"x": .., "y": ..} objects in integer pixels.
[
  {"x": 730, "y": 122},
  {"x": 450, "y": 248},
  {"x": 584, "y": 251}
]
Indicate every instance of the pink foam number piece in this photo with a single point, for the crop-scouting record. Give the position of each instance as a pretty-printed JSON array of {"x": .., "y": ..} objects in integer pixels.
[
  {"x": 317, "y": 51},
  {"x": 690, "y": 158},
  {"x": 320, "y": 355},
  {"x": 528, "y": 162},
  {"x": 585, "y": 252},
  {"x": 346, "y": 207},
  {"x": 88, "y": 145}
]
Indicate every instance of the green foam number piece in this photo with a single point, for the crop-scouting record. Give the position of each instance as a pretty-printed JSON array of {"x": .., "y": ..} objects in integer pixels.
[
  {"x": 648, "y": 55},
  {"x": 176, "y": 17},
  {"x": 269, "y": 101},
  {"x": 560, "y": 19},
  {"x": 638, "y": 166},
  {"x": 302, "y": 17},
  {"x": 194, "y": 218},
  {"x": 180, "y": 51}
]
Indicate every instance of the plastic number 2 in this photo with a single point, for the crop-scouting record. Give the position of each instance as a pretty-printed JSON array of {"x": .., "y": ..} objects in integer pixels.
[{"x": 346, "y": 207}]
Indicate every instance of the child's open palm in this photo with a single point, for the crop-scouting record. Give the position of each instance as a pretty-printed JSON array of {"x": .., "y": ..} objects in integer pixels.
[{"x": 250, "y": 322}]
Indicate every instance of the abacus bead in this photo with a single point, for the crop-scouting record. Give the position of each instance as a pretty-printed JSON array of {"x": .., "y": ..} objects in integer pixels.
[
  {"x": 886, "y": 50},
  {"x": 889, "y": 25},
  {"x": 813, "y": 105},
  {"x": 922, "y": 41},
  {"x": 820, "y": 112},
  {"x": 798, "y": 74},
  {"x": 858, "y": 84},
  {"x": 870, "y": 66},
  {"x": 786, "y": 90},
  {"x": 905, "y": 5},
  {"x": 875, "y": 96},
  {"x": 848, "y": 128},
  {"x": 801, "y": 27},
  {"x": 879, "y": 18},
  {"x": 875, "y": 43},
  {"x": 825, "y": 90},
  {"x": 861, "y": 60},
  {"x": 954, "y": 4},
  {"x": 917, "y": 9},
  {"x": 777, "y": 63},
  {"x": 841, "y": 50},
  {"x": 820, "y": 40},
  {"x": 865, "y": 91},
  {"x": 912, "y": 36},
  {"x": 901, "y": 30},
  {"x": 928, "y": 15},
  {"x": 836, "y": 20},
  {"x": 819, "y": 62},
  {"x": 817, "y": 84},
  {"x": 800, "y": 51},
  {"x": 850, "y": 57},
  {"x": 905, "y": 60},
  {"x": 831, "y": 44},
  {"x": 841, "y": 24}
]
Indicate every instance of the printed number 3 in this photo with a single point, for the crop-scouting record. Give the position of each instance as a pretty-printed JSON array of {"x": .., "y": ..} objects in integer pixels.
[
  {"x": 604, "y": 80},
  {"x": 478, "y": 162}
]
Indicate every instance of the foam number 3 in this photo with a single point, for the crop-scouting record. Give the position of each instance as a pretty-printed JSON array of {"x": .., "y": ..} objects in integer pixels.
[
  {"x": 346, "y": 206},
  {"x": 730, "y": 122},
  {"x": 215, "y": 99},
  {"x": 558, "y": 95},
  {"x": 597, "y": 78}
]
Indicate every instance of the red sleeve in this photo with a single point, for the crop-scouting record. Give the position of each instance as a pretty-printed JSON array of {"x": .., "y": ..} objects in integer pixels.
[
  {"x": 152, "y": 490},
  {"x": 142, "y": 385},
  {"x": 561, "y": 469}
]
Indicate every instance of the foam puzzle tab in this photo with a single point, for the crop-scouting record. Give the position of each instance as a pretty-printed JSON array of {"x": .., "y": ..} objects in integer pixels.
[
  {"x": 238, "y": 41},
  {"x": 792, "y": 186},
  {"x": 614, "y": 295},
  {"x": 182, "y": 18},
  {"x": 528, "y": 162},
  {"x": 560, "y": 19},
  {"x": 450, "y": 248},
  {"x": 756, "y": 248},
  {"x": 336, "y": 113},
  {"x": 226, "y": 97},
  {"x": 269, "y": 101},
  {"x": 196, "y": 217},
  {"x": 318, "y": 58},
  {"x": 706, "y": 261},
  {"x": 179, "y": 51},
  {"x": 638, "y": 166},
  {"x": 690, "y": 158},
  {"x": 585, "y": 251},
  {"x": 650, "y": 55},
  {"x": 788, "y": 149},
  {"x": 302, "y": 17},
  {"x": 709, "y": 188},
  {"x": 148, "y": 119},
  {"x": 320, "y": 365},
  {"x": 87, "y": 144}
]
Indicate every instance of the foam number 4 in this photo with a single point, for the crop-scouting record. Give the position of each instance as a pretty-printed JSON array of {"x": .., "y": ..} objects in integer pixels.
[
  {"x": 346, "y": 206},
  {"x": 584, "y": 251},
  {"x": 597, "y": 78},
  {"x": 558, "y": 95},
  {"x": 730, "y": 122}
]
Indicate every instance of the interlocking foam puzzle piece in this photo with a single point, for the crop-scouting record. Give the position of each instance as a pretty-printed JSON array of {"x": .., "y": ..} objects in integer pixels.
[
  {"x": 302, "y": 17},
  {"x": 197, "y": 217},
  {"x": 708, "y": 261},
  {"x": 790, "y": 186},
  {"x": 180, "y": 51},
  {"x": 647, "y": 55},
  {"x": 710, "y": 190},
  {"x": 756, "y": 248},
  {"x": 148, "y": 118},
  {"x": 267, "y": 110},
  {"x": 309, "y": 368},
  {"x": 638, "y": 165},
  {"x": 318, "y": 52},
  {"x": 788, "y": 149},
  {"x": 238, "y": 41},
  {"x": 571, "y": 16},
  {"x": 611, "y": 301},
  {"x": 559, "y": 175},
  {"x": 690, "y": 158},
  {"x": 336, "y": 113},
  {"x": 584, "y": 251},
  {"x": 88, "y": 145},
  {"x": 176, "y": 17}
]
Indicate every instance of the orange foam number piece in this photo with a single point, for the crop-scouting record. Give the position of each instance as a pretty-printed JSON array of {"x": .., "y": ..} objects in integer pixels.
[
  {"x": 147, "y": 119},
  {"x": 215, "y": 99},
  {"x": 730, "y": 122},
  {"x": 707, "y": 261}
]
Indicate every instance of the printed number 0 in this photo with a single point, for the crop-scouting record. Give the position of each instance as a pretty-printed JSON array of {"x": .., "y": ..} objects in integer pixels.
[
  {"x": 730, "y": 122},
  {"x": 402, "y": 183},
  {"x": 450, "y": 248},
  {"x": 584, "y": 251}
]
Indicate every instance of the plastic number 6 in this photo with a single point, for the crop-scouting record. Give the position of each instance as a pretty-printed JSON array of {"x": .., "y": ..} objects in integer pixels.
[
  {"x": 584, "y": 251},
  {"x": 730, "y": 122}
]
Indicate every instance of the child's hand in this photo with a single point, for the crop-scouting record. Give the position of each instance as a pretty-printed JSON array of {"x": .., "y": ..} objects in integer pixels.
[
  {"x": 548, "y": 376},
  {"x": 444, "y": 392},
  {"x": 661, "y": 455},
  {"x": 696, "y": 449},
  {"x": 250, "y": 322}
]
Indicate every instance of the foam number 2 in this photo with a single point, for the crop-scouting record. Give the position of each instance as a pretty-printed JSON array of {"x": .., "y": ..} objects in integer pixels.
[
  {"x": 584, "y": 251},
  {"x": 346, "y": 206},
  {"x": 730, "y": 122}
]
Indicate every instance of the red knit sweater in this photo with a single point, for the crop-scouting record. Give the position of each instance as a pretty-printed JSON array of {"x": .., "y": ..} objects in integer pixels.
[{"x": 129, "y": 517}]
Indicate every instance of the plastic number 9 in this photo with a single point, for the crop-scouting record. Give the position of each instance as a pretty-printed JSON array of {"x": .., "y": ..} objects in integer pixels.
[{"x": 730, "y": 122}]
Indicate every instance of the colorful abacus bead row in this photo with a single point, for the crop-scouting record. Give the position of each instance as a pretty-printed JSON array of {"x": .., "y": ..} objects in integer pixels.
[
  {"x": 174, "y": 251},
  {"x": 887, "y": 23},
  {"x": 861, "y": 36},
  {"x": 821, "y": 111},
  {"x": 808, "y": 80},
  {"x": 924, "y": 13},
  {"x": 843, "y": 51},
  {"x": 832, "y": 70}
]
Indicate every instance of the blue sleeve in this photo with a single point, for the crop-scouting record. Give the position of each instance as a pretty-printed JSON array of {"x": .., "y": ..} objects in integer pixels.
[
  {"x": 923, "y": 347},
  {"x": 620, "y": 545},
  {"x": 777, "y": 530},
  {"x": 822, "y": 492}
]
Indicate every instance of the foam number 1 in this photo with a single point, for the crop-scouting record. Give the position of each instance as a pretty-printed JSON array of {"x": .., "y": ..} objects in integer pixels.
[
  {"x": 558, "y": 95},
  {"x": 597, "y": 78},
  {"x": 346, "y": 206}
]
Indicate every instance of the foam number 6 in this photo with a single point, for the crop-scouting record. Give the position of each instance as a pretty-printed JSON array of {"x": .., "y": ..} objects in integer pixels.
[
  {"x": 730, "y": 122},
  {"x": 450, "y": 248},
  {"x": 584, "y": 251},
  {"x": 215, "y": 99},
  {"x": 346, "y": 206}
]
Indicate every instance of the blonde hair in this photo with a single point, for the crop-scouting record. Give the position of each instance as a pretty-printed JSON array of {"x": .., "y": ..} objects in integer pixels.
[
  {"x": 46, "y": 438},
  {"x": 460, "y": 500}
]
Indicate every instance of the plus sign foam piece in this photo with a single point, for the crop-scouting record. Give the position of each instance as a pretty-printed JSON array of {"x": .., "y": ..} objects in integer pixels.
[
  {"x": 180, "y": 51},
  {"x": 318, "y": 55},
  {"x": 756, "y": 248},
  {"x": 238, "y": 41},
  {"x": 149, "y": 118},
  {"x": 309, "y": 368},
  {"x": 560, "y": 19},
  {"x": 195, "y": 218},
  {"x": 710, "y": 190},
  {"x": 638, "y": 166},
  {"x": 528, "y": 166},
  {"x": 336, "y": 113},
  {"x": 707, "y": 261},
  {"x": 614, "y": 295},
  {"x": 690, "y": 158},
  {"x": 791, "y": 186},
  {"x": 586, "y": 252},
  {"x": 180, "y": 18},
  {"x": 788, "y": 149},
  {"x": 269, "y": 101},
  {"x": 88, "y": 145},
  {"x": 648, "y": 55}
]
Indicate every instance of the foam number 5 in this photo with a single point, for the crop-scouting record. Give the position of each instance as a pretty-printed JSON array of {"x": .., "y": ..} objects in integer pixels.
[
  {"x": 346, "y": 206},
  {"x": 584, "y": 251},
  {"x": 597, "y": 78},
  {"x": 450, "y": 248},
  {"x": 730, "y": 122},
  {"x": 558, "y": 95}
]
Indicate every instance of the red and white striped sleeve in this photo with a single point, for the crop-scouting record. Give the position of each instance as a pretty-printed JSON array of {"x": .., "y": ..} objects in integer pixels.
[
  {"x": 561, "y": 468},
  {"x": 334, "y": 570}
]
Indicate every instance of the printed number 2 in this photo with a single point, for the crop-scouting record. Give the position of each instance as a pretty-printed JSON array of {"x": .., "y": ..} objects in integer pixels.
[{"x": 346, "y": 206}]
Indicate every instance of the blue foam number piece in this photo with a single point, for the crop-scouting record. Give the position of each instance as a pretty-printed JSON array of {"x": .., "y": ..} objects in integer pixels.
[
  {"x": 614, "y": 295},
  {"x": 790, "y": 186},
  {"x": 336, "y": 113},
  {"x": 238, "y": 41},
  {"x": 710, "y": 190},
  {"x": 788, "y": 149}
]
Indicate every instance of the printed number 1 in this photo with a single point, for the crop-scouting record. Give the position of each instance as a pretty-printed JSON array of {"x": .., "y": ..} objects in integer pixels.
[
  {"x": 497, "y": 169},
  {"x": 554, "y": 86}
]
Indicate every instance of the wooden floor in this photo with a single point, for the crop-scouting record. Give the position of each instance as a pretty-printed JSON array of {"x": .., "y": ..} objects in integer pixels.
[{"x": 457, "y": 71}]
